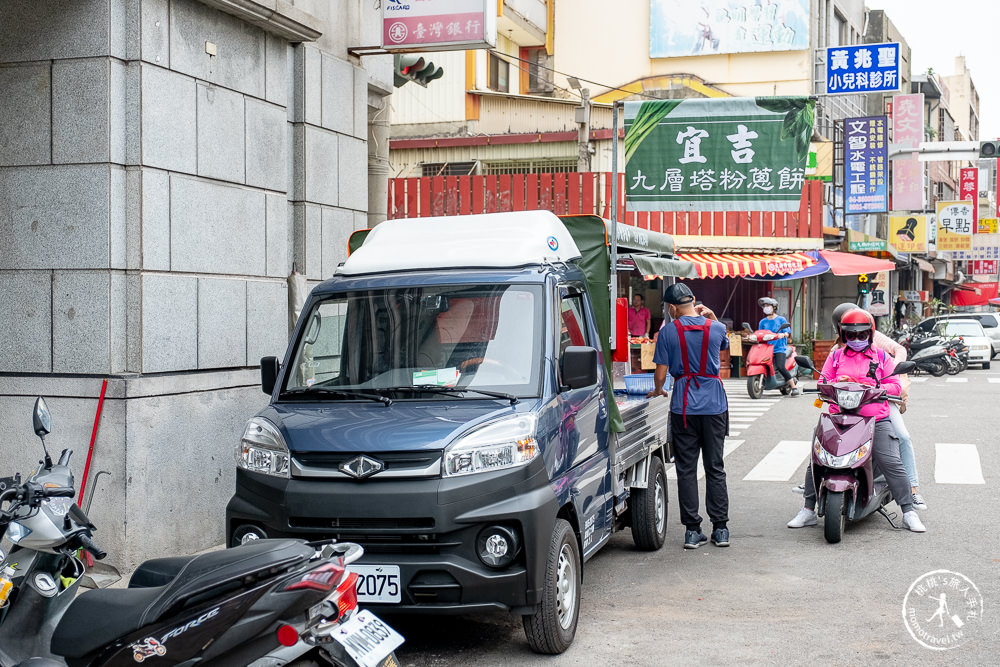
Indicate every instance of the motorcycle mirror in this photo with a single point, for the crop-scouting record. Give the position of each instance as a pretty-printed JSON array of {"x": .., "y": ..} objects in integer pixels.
[
  {"x": 805, "y": 362},
  {"x": 904, "y": 367},
  {"x": 786, "y": 325},
  {"x": 746, "y": 325},
  {"x": 41, "y": 418}
]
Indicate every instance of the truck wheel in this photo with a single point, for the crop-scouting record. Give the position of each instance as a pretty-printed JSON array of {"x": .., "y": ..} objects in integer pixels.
[
  {"x": 755, "y": 386},
  {"x": 552, "y": 627},
  {"x": 649, "y": 509},
  {"x": 834, "y": 517}
]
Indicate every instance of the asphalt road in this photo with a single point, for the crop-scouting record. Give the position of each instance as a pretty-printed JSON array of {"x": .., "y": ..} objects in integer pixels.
[{"x": 779, "y": 595}]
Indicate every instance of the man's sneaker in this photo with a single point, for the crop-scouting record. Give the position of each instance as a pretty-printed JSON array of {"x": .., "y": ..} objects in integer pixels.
[
  {"x": 720, "y": 537},
  {"x": 805, "y": 517},
  {"x": 694, "y": 539},
  {"x": 918, "y": 502},
  {"x": 800, "y": 489},
  {"x": 912, "y": 522}
]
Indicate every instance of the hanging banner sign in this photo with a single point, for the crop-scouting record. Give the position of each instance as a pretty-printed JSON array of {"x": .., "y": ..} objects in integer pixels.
[
  {"x": 717, "y": 154},
  {"x": 984, "y": 267},
  {"x": 866, "y": 165},
  {"x": 868, "y": 68},
  {"x": 968, "y": 189},
  {"x": 907, "y": 172},
  {"x": 908, "y": 232},
  {"x": 987, "y": 226},
  {"x": 438, "y": 25},
  {"x": 878, "y": 304},
  {"x": 984, "y": 246},
  {"x": 955, "y": 220}
]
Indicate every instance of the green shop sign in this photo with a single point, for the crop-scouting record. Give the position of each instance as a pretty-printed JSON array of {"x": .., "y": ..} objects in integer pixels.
[
  {"x": 866, "y": 246},
  {"x": 721, "y": 154}
]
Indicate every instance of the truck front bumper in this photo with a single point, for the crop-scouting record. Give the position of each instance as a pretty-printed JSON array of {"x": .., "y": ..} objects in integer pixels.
[{"x": 427, "y": 527}]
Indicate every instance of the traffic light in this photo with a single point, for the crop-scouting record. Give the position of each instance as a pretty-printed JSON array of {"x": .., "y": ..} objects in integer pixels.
[
  {"x": 864, "y": 284},
  {"x": 410, "y": 67},
  {"x": 989, "y": 150}
]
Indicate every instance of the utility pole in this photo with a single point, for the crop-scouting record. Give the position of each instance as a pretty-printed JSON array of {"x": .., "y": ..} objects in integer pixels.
[{"x": 583, "y": 131}]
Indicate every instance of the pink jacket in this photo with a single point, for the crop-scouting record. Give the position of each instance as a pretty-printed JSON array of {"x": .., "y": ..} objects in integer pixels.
[
  {"x": 844, "y": 361},
  {"x": 898, "y": 353}
]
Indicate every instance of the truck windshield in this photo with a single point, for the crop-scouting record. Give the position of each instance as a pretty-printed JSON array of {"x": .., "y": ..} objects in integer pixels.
[{"x": 395, "y": 341}]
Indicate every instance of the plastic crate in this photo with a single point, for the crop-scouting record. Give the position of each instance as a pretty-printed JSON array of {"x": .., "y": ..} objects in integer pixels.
[{"x": 640, "y": 383}]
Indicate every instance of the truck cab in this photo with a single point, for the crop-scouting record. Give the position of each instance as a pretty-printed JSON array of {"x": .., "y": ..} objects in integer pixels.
[{"x": 445, "y": 402}]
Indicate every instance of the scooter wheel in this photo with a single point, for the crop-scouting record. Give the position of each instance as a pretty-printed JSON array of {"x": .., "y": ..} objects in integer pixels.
[
  {"x": 834, "y": 518},
  {"x": 938, "y": 369},
  {"x": 755, "y": 386}
]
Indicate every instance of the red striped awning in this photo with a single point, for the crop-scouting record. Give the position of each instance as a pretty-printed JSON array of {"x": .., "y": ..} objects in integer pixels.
[{"x": 731, "y": 265}]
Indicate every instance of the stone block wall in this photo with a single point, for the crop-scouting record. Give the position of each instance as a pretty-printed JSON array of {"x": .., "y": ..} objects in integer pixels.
[{"x": 163, "y": 165}]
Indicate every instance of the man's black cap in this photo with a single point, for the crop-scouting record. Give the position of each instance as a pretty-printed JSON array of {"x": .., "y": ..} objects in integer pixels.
[{"x": 678, "y": 294}]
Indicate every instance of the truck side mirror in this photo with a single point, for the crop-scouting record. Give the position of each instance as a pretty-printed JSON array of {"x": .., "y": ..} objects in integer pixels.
[
  {"x": 578, "y": 366},
  {"x": 269, "y": 367}
]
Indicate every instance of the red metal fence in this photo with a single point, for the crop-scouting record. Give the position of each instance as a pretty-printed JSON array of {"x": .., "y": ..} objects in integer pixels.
[{"x": 590, "y": 192}]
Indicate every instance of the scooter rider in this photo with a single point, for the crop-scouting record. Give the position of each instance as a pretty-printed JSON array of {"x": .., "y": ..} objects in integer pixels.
[
  {"x": 773, "y": 322},
  {"x": 852, "y": 364}
]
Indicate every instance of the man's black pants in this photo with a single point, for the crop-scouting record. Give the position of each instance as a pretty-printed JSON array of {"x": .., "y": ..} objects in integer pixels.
[{"x": 705, "y": 434}]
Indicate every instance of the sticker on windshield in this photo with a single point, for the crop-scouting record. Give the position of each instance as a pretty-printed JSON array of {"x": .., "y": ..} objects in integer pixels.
[{"x": 443, "y": 377}]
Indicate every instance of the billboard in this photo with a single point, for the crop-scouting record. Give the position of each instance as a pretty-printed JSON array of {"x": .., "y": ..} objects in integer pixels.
[
  {"x": 719, "y": 154},
  {"x": 908, "y": 171},
  {"x": 868, "y": 68},
  {"x": 908, "y": 232},
  {"x": 679, "y": 28},
  {"x": 955, "y": 220},
  {"x": 866, "y": 165},
  {"x": 438, "y": 25}
]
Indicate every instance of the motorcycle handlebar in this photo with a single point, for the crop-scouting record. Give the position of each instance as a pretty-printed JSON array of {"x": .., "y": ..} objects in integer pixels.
[
  {"x": 58, "y": 492},
  {"x": 89, "y": 545}
]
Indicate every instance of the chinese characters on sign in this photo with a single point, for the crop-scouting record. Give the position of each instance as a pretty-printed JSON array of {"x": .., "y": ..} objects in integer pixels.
[
  {"x": 907, "y": 170},
  {"x": 908, "y": 232},
  {"x": 984, "y": 267},
  {"x": 438, "y": 25},
  {"x": 866, "y": 165},
  {"x": 732, "y": 154},
  {"x": 984, "y": 246},
  {"x": 968, "y": 189},
  {"x": 955, "y": 220},
  {"x": 988, "y": 226},
  {"x": 868, "y": 68}
]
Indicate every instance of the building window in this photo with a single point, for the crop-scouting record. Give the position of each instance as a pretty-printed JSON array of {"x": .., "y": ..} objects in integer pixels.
[
  {"x": 539, "y": 71},
  {"x": 499, "y": 71},
  {"x": 448, "y": 168},
  {"x": 530, "y": 167}
]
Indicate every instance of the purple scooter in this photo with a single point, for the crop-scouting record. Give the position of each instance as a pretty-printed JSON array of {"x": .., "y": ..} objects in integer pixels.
[{"x": 847, "y": 486}]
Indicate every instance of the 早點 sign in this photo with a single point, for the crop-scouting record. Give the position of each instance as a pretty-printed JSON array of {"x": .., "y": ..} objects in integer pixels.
[
  {"x": 721, "y": 154},
  {"x": 908, "y": 232},
  {"x": 438, "y": 25},
  {"x": 955, "y": 220},
  {"x": 866, "y": 165},
  {"x": 866, "y": 68}
]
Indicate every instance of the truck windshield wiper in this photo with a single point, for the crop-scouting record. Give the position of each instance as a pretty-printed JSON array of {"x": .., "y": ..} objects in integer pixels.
[
  {"x": 436, "y": 389},
  {"x": 316, "y": 390}
]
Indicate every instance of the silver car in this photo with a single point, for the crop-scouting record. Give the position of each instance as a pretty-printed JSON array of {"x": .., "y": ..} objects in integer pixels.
[{"x": 990, "y": 322}]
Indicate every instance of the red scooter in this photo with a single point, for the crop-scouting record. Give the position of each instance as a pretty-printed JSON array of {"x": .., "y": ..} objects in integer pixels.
[{"x": 760, "y": 362}]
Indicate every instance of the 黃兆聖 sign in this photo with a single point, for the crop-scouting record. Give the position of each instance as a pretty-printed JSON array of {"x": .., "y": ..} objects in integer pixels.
[{"x": 865, "y": 68}]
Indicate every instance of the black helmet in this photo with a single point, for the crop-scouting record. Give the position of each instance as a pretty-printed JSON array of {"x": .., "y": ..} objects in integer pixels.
[{"x": 838, "y": 314}]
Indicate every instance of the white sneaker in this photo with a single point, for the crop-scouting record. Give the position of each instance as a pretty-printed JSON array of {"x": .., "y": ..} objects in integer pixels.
[
  {"x": 805, "y": 517},
  {"x": 912, "y": 522},
  {"x": 918, "y": 502}
]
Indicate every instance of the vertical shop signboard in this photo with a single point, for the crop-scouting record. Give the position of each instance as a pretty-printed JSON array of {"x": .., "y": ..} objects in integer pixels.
[
  {"x": 907, "y": 170},
  {"x": 968, "y": 189},
  {"x": 866, "y": 165}
]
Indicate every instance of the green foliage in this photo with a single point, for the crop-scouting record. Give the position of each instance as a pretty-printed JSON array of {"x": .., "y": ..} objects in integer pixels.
[
  {"x": 800, "y": 113},
  {"x": 649, "y": 115}
]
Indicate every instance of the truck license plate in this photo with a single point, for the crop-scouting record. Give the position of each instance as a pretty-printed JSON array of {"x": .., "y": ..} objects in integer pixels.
[
  {"x": 368, "y": 639},
  {"x": 378, "y": 583}
]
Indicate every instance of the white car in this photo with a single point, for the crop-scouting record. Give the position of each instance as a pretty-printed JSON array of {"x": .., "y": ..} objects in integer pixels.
[
  {"x": 990, "y": 322},
  {"x": 971, "y": 331}
]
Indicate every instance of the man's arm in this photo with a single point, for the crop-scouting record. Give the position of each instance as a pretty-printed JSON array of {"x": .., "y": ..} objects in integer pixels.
[
  {"x": 659, "y": 379},
  {"x": 706, "y": 312}
]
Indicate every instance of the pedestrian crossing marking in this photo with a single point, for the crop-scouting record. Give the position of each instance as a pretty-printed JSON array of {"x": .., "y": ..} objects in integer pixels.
[
  {"x": 957, "y": 464},
  {"x": 994, "y": 380},
  {"x": 957, "y": 380},
  {"x": 728, "y": 448},
  {"x": 921, "y": 379},
  {"x": 733, "y": 434},
  {"x": 781, "y": 462}
]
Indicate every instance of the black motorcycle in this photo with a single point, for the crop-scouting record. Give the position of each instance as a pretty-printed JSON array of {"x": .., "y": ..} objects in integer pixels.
[{"x": 264, "y": 604}]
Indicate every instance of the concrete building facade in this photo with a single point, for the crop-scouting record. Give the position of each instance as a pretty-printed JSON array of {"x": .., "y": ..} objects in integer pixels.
[{"x": 164, "y": 164}]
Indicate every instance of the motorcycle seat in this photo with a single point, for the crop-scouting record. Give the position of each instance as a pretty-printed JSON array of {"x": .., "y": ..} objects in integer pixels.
[
  {"x": 96, "y": 618},
  {"x": 158, "y": 571}
]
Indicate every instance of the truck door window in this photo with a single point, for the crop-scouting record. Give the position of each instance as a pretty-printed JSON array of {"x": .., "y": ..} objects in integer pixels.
[{"x": 573, "y": 323}]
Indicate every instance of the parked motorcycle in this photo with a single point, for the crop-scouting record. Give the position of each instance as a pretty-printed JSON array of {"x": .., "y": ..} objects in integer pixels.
[
  {"x": 926, "y": 352},
  {"x": 265, "y": 603},
  {"x": 847, "y": 486},
  {"x": 760, "y": 362}
]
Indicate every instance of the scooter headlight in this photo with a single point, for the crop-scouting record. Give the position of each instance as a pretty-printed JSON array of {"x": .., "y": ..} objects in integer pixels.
[
  {"x": 849, "y": 400},
  {"x": 17, "y": 532},
  {"x": 846, "y": 461}
]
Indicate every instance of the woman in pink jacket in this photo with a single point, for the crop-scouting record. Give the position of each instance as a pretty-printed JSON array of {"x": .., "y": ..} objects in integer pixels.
[{"x": 853, "y": 363}]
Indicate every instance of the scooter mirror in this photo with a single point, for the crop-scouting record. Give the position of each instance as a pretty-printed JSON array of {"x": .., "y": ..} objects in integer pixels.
[
  {"x": 904, "y": 367},
  {"x": 786, "y": 325},
  {"x": 804, "y": 362},
  {"x": 746, "y": 325},
  {"x": 41, "y": 418}
]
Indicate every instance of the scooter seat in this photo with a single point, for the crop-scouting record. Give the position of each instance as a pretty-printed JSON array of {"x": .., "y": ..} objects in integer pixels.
[
  {"x": 96, "y": 618},
  {"x": 158, "y": 571}
]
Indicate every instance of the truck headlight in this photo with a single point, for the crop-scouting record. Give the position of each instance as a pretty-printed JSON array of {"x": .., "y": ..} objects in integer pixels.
[
  {"x": 262, "y": 449},
  {"x": 507, "y": 443}
]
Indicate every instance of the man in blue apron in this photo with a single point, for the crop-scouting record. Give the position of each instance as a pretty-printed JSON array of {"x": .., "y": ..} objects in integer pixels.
[{"x": 688, "y": 348}]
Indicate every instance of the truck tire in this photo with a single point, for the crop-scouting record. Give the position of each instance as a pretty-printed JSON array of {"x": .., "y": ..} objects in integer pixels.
[
  {"x": 834, "y": 517},
  {"x": 649, "y": 509},
  {"x": 551, "y": 628}
]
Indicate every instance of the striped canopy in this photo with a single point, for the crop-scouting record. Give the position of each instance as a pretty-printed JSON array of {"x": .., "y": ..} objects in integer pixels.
[{"x": 731, "y": 265}]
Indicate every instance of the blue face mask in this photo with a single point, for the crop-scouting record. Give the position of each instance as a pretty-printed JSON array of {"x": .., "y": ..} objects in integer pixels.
[{"x": 857, "y": 345}]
